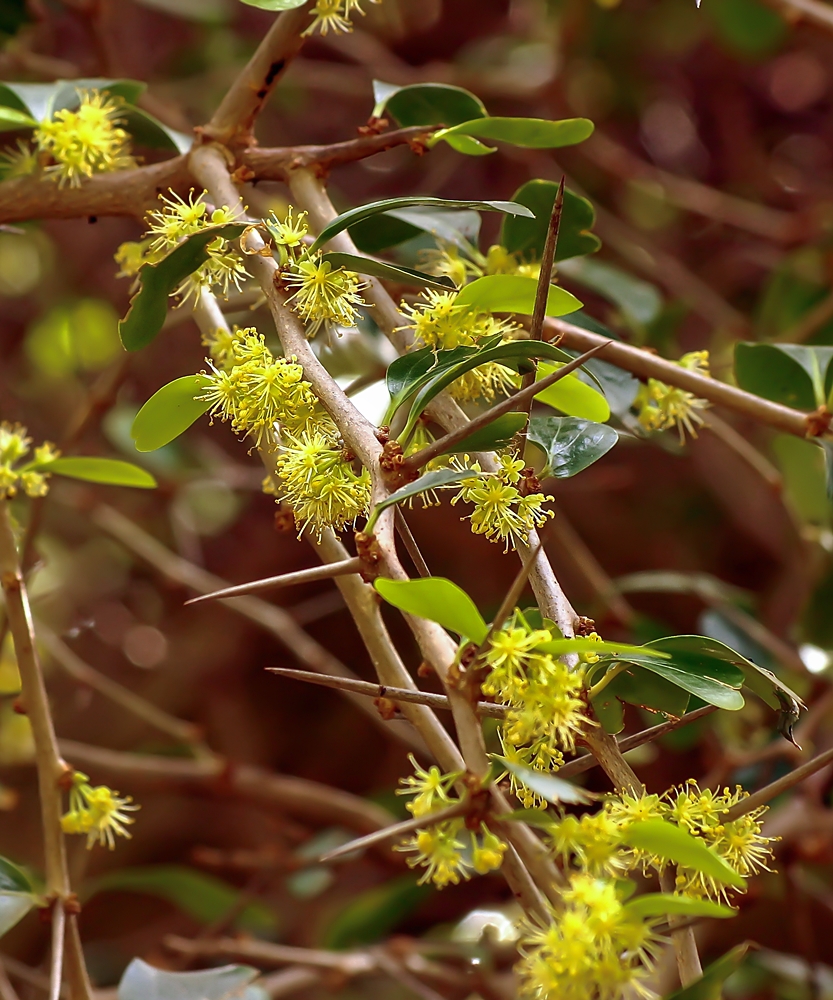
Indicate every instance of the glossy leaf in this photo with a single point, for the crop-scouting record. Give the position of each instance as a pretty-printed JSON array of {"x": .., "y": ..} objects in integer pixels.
[
  {"x": 204, "y": 897},
  {"x": 671, "y": 843},
  {"x": 145, "y": 130},
  {"x": 658, "y": 904},
  {"x": 573, "y": 397},
  {"x": 460, "y": 228},
  {"x": 107, "y": 471},
  {"x": 169, "y": 412},
  {"x": 710, "y": 985},
  {"x": 426, "y": 104},
  {"x": 570, "y": 444},
  {"x": 275, "y": 4},
  {"x": 527, "y": 236},
  {"x": 373, "y": 914},
  {"x": 640, "y": 687},
  {"x": 791, "y": 374},
  {"x": 514, "y": 293},
  {"x": 410, "y": 372},
  {"x": 437, "y": 599},
  {"x": 531, "y": 133},
  {"x": 391, "y": 272},
  {"x": 362, "y": 212},
  {"x": 548, "y": 786},
  {"x": 639, "y": 301},
  {"x": 430, "y": 481},
  {"x": 145, "y": 982},
  {"x": 498, "y": 434},
  {"x": 13, "y": 879},
  {"x": 42, "y": 100},
  {"x": 11, "y": 120},
  {"x": 149, "y": 306},
  {"x": 563, "y": 647},
  {"x": 13, "y": 908}
]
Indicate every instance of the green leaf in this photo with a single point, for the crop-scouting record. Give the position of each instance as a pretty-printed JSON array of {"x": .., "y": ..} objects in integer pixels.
[
  {"x": 802, "y": 466},
  {"x": 275, "y": 4},
  {"x": 658, "y": 904},
  {"x": 169, "y": 411},
  {"x": 532, "y": 817},
  {"x": 374, "y": 913},
  {"x": 430, "y": 481},
  {"x": 747, "y": 27},
  {"x": 42, "y": 100},
  {"x": 149, "y": 306},
  {"x": 514, "y": 293},
  {"x": 548, "y": 786},
  {"x": 791, "y": 374},
  {"x": 460, "y": 228},
  {"x": 439, "y": 378},
  {"x": 710, "y": 985},
  {"x": 531, "y": 133},
  {"x": 527, "y": 236},
  {"x": 13, "y": 879},
  {"x": 204, "y": 897},
  {"x": 107, "y": 471},
  {"x": 563, "y": 647},
  {"x": 11, "y": 120},
  {"x": 13, "y": 908},
  {"x": 827, "y": 448},
  {"x": 426, "y": 104},
  {"x": 497, "y": 434},
  {"x": 437, "y": 599},
  {"x": 469, "y": 146},
  {"x": 570, "y": 444},
  {"x": 410, "y": 372},
  {"x": 146, "y": 130},
  {"x": 639, "y": 301},
  {"x": 573, "y": 397},
  {"x": 362, "y": 212},
  {"x": 670, "y": 842},
  {"x": 640, "y": 687},
  {"x": 144, "y": 982},
  {"x": 392, "y": 272}
]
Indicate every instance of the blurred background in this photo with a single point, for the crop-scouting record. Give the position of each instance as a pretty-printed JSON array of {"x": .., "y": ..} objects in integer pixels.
[{"x": 711, "y": 174}]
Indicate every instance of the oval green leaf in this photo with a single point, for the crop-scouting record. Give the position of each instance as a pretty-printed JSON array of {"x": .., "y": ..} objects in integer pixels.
[
  {"x": 573, "y": 397},
  {"x": 667, "y": 841},
  {"x": 107, "y": 471},
  {"x": 570, "y": 443},
  {"x": 658, "y": 904},
  {"x": 427, "y": 104},
  {"x": 498, "y": 434},
  {"x": 169, "y": 411},
  {"x": 710, "y": 985},
  {"x": 439, "y": 600},
  {"x": 527, "y": 236},
  {"x": 514, "y": 293},
  {"x": 563, "y": 647},
  {"x": 531, "y": 133},
  {"x": 791, "y": 374},
  {"x": 13, "y": 908}
]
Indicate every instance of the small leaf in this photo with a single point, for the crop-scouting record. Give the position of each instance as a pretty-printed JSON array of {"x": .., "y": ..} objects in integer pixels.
[
  {"x": 570, "y": 443},
  {"x": 437, "y": 599},
  {"x": 548, "y": 786},
  {"x": 527, "y": 236},
  {"x": 791, "y": 374},
  {"x": 146, "y": 130},
  {"x": 13, "y": 879},
  {"x": 710, "y": 985},
  {"x": 149, "y": 306},
  {"x": 469, "y": 146},
  {"x": 514, "y": 293},
  {"x": 573, "y": 397},
  {"x": 354, "y": 215},
  {"x": 639, "y": 301},
  {"x": 671, "y": 843},
  {"x": 107, "y": 471},
  {"x": 392, "y": 272},
  {"x": 275, "y": 4},
  {"x": 144, "y": 982},
  {"x": 11, "y": 120},
  {"x": 169, "y": 412},
  {"x": 13, "y": 908},
  {"x": 497, "y": 434},
  {"x": 430, "y": 481},
  {"x": 658, "y": 904},
  {"x": 410, "y": 372},
  {"x": 426, "y": 104},
  {"x": 204, "y": 897},
  {"x": 643, "y": 688},
  {"x": 531, "y": 133},
  {"x": 373, "y": 914}
]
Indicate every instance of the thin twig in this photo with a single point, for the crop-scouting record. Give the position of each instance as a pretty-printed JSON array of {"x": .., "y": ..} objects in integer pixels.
[
  {"x": 404, "y": 531},
  {"x": 325, "y": 572},
  {"x": 769, "y": 792},
  {"x": 56, "y": 960},
  {"x": 509, "y": 405},
  {"x": 7, "y": 991},
  {"x": 371, "y": 690},
  {"x": 349, "y": 963}
]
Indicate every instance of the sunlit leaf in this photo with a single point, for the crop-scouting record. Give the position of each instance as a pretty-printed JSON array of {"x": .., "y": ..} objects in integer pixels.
[
  {"x": 437, "y": 599},
  {"x": 533, "y": 133},
  {"x": 391, "y": 272},
  {"x": 710, "y": 985},
  {"x": 169, "y": 411},
  {"x": 572, "y": 396},
  {"x": 107, "y": 471},
  {"x": 671, "y": 843},
  {"x": 658, "y": 904},
  {"x": 514, "y": 293},
  {"x": 426, "y": 104},
  {"x": 11, "y": 120}
]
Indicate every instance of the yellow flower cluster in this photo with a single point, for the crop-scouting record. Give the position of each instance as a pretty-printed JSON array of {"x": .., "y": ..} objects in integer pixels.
[
  {"x": 263, "y": 396},
  {"x": 660, "y": 406},
  {"x": 14, "y": 446},
  {"x": 171, "y": 223},
  {"x": 323, "y": 294},
  {"x": 74, "y": 145},
  {"x": 438, "y": 322},
  {"x": 544, "y": 698},
  {"x": 501, "y": 511},
  {"x": 592, "y": 947},
  {"x": 334, "y": 15},
  {"x": 443, "y": 849},
  {"x": 98, "y": 812}
]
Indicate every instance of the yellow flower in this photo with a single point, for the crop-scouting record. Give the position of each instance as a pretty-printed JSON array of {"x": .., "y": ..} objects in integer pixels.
[
  {"x": 501, "y": 512},
  {"x": 15, "y": 445},
  {"x": 324, "y": 295},
  {"x": 660, "y": 406},
  {"x": 334, "y": 15},
  {"x": 98, "y": 812},
  {"x": 87, "y": 141},
  {"x": 290, "y": 231},
  {"x": 430, "y": 788}
]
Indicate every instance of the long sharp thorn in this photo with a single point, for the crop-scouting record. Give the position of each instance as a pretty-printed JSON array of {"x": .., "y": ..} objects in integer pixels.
[
  {"x": 769, "y": 792},
  {"x": 547, "y": 261},
  {"x": 325, "y": 572}
]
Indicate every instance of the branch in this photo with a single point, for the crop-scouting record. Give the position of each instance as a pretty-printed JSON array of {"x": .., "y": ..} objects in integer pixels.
[
  {"x": 349, "y": 963},
  {"x": 648, "y": 365},
  {"x": 769, "y": 792},
  {"x": 326, "y": 572}
]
